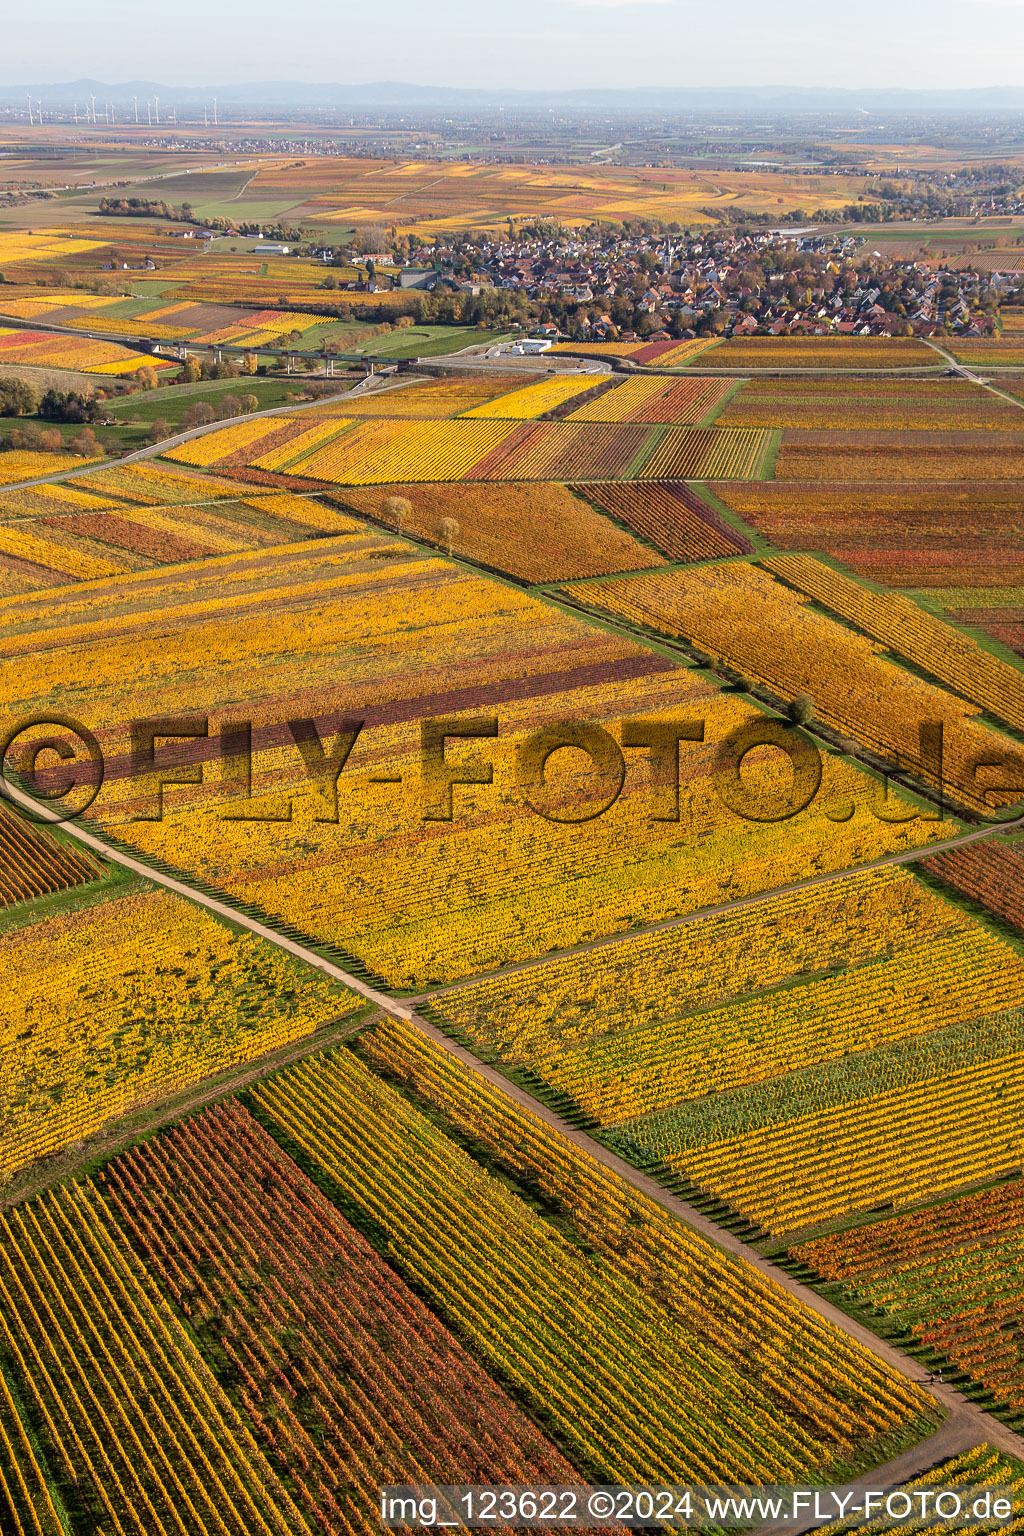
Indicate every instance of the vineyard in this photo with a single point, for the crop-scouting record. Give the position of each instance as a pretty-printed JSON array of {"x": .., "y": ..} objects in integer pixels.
[
  {"x": 432, "y": 399},
  {"x": 751, "y": 352},
  {"x": 411, "y": 902},
  {"x": 488, "y": 442},
  {"x": 891, "y": 1146},
  {"x": 453, "y": 1054},
  {"x": 119, "y": 1003},
  {"x": 43, "y": 349},
  {"x": 132, "y": 519},
  {"x": 680, "y": 401},
  {"x": 895, "y": 456},
  {"x": 348, "y": 1380},
  {"x": 542, "y": 533},
  {"x": 951, "y": 1274},
  {"x": 980, "y": 1467},
  {"x": 901, "y": 626},
  {"x": 957, "y": 533},
  {"x": 141, "y": 1435},
  {"x": 989, "y": 873},
  {"x": 33, "y": 863},
  {"x": 627, "y": 988},
  {"x": 533, "y": 401},
  {"x": 665, "y": 354},
  {"x": 741, "y": 615},
  {"x": 756, "y": 1054},
  {"x": 17, "y": 465},
  {"x": 674, "y": 517},
  {"x": 843, "y": 404},
  {"x": 948, "y": 979},
  {"x": 682, "y": 1398}
]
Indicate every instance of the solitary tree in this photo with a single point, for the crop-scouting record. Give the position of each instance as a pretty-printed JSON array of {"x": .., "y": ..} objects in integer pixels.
[
  {"x": 250, "y": 403},
  {"x": 395, "y": 509},
  {"x": 158, "y": 431},
  {"x": 449, "y": 529},
  {"x": 801, "y": 709},
  {"x": 146, "y": 377},
  {"x": 18, "y": 397}
]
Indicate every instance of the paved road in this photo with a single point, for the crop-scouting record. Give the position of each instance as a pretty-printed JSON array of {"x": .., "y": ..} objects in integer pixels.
[{"x": 966, "y": 1424}]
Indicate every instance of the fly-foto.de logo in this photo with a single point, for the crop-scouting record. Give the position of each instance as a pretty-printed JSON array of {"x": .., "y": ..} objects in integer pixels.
[{"x": 764, "y": 771}]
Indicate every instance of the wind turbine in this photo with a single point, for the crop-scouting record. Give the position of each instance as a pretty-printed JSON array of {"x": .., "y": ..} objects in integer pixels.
[
  {"x": 30, "y": 117},
  {"x": 156, "y": 109},
  {"x": 136, "y": 101},
  {"x": 149, "y": 113},
  {"x": 215, "y": 112},
  {"x": 94, "y": 109}
]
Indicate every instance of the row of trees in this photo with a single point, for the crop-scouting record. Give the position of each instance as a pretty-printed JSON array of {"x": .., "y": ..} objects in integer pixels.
[
  {"x": 19, "y": 397},
  {"x": 32, "y": 439}
]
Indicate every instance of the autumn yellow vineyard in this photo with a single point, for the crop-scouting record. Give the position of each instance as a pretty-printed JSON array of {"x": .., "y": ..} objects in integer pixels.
[{"x": 511, "y": 804}]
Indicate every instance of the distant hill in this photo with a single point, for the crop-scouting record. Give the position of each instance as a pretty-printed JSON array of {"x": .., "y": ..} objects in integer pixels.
[{"x": 292, "y": 95}]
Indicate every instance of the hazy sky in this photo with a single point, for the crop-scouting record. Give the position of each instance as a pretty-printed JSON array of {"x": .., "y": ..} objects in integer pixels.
[{"x": 523, "y": 43}]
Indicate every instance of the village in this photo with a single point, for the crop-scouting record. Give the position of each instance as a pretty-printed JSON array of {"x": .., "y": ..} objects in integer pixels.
[{"x": 602, "y": 286}]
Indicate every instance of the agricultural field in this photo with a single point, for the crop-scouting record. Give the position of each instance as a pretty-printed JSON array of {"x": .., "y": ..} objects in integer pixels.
[
  {"x": 685, "y": 402},
  {"x": 988, "y": 873},
  {"x": 894, "y": 456},
  {"x": 752, "y": 620},
  {"x": 754, "y": 1054},
  {"x": 264, "y": 1360},
  {"x": 532, "y": 401},
  {"x": 485, "y": 444},
  {"x": 839, "y": 403},
  {"x": 665, "y": 354},
  {"x": 951, "y": 1275},
  {"x": 432, "y": 399},
  {"x": 127, "y": 1000},
  {"x": 139, "y": 517},
  {"x": 44, "y": 349},
  {"x": 325, "y": 633},
  {"x": 959, "y": 534},
  {"x": 540, "y": 533},
  {"x": 539, "y": 910},
  {"x": 18, "y": 464},
  {"x": 827, "y": 352},
  {"x": 387, "y": 1157},
  {"x": 419, "y": 197},
  {"x": 675, "y": 518},
  {"x": 1002, "y": 352},
  {"x": 35, "y": 864}
]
